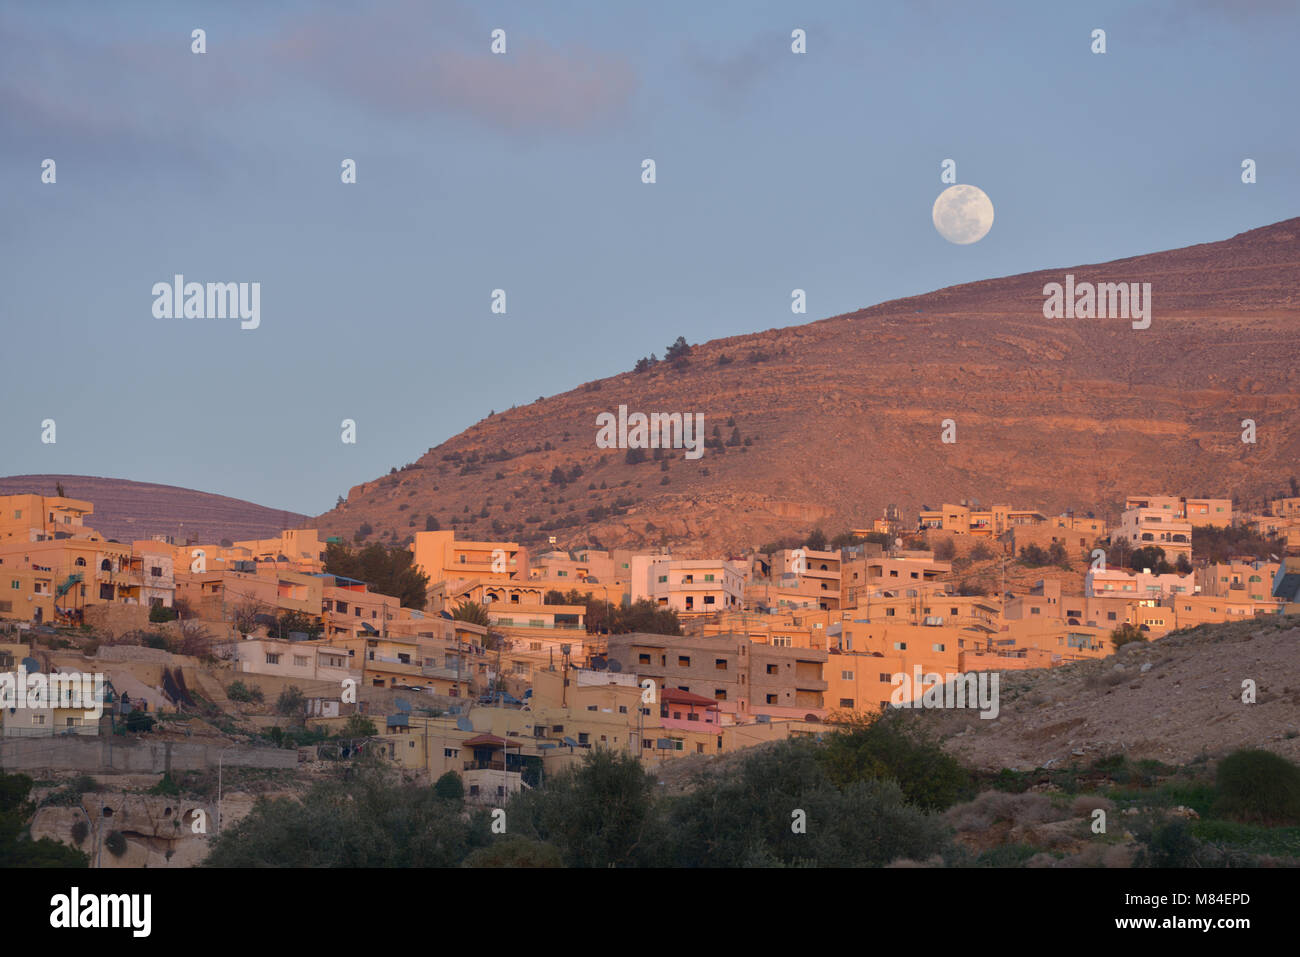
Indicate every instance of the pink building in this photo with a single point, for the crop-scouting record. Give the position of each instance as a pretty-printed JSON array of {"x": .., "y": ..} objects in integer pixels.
[{"x": 686, "y": 711}]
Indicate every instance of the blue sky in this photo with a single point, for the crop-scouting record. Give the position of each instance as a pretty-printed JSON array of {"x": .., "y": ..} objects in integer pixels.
[{"x": 522, "y": 172}]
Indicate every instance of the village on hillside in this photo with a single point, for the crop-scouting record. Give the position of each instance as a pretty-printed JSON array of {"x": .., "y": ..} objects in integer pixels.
[{"x": 507, "y": 667}]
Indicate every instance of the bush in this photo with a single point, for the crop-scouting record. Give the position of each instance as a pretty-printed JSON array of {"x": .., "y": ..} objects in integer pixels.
[
  {"x": 80, "y": 831},
  {"x": 291, "y": 701},
  {"x": 884, "y": 747},
  {"x": 159, "y": 614},
  {"x": 115, "y": 843},
  {"x": 449, "y": 787},
  {"x": 1125, "y": 634},
  {"x": 137, "y": 722},
  {"x": 515, "y": 851},
  {"x": 238, "y": 691},
  {"x": 1258, "y": 787},
  {"x": 359, "y": 726}
]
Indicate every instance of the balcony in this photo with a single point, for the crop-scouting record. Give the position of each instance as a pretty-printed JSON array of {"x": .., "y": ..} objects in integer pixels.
[{"x": 490, "y": 766}]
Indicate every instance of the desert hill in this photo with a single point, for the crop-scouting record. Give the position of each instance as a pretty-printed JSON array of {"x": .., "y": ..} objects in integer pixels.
[
  {"x": 834, "y": 419},
  {"x": 127, "y": 510}
]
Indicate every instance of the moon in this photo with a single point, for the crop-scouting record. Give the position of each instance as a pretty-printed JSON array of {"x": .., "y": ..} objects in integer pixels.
[{"x": 963, "y": 214}]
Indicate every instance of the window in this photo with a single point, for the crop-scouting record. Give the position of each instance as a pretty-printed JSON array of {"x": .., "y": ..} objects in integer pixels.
[
  {"x": 772, "y": 669},
  {"x": 771, "y": 699},
  {"x": 846, "y": 702},
  {"x": 155, "y": 571},
  {"x": 900, "y": 646},
  {"x": 846, "y": 675},
  {"x": 683, "y": 661},
  {"x": 15, "y": 584},
  {"x": 885, "y": 676},
  {"x": 300, "y": 661},
  {"x": 1035, "y": 611},
  {"x": 663, "y": 579},
  {"x": 708, "y": 578},
  {"x": 583, "y": 737},
  {"x": 720, "y": 694},
  {"x": 272, "y": 659},
  {"x": 720, "y": 664},
  {"x": 937, "y": 647},
  {"x": 643, "y": 659}
]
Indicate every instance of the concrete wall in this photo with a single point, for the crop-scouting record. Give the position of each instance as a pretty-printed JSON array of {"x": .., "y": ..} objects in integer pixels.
[{"x": 108, "y": 755}]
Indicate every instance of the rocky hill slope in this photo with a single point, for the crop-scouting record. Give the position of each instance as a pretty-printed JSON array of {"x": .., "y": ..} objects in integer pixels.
[{"x": 830, "y": 421}]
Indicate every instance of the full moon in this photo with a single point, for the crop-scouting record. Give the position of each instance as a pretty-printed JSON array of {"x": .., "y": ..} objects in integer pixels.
[{"x": 963, "y": 214}]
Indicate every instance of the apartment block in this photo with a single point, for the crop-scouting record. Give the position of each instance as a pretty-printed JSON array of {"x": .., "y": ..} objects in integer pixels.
[
  {"x": 689, "y": 587},
  {"x": 744, "y": 677}
]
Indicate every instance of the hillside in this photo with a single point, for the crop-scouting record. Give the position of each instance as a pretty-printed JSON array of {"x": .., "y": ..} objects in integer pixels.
[
  {"x": 836, "y": 418},
  {"x": 127, "y": 510},
  {"x": 1172, "y": 700}
]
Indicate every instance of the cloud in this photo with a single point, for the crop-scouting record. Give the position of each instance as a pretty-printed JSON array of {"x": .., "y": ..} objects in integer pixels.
[{"x": 401, "y": 61}]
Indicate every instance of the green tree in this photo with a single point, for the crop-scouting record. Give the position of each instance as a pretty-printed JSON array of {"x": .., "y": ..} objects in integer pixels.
[
  {"x": 358, "y": 726},
  {"x": 449, "y": 787},
  {"x": 17, "y": 849},
  {"x": 292, "y": 702},
  {"x": 779, "y": 809},
  {"x": 387, "y": 570},
  {"x": 472, "y": 612},
  {"x": 888, "y": 746},
  {"x": 365, "y": 819},
  {"x": 599, "y": 814}
]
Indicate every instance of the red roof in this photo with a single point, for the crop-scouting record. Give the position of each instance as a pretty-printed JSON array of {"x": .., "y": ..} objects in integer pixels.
[{"x": 685, "y": 697}]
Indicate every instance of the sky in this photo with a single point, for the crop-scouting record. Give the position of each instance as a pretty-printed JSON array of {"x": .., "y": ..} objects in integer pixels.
[{"x": 522, "y": 171}]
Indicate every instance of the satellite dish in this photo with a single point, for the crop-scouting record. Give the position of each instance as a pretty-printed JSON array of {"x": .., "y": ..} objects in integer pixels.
[
  {"x": 598, "y": 664},
  {"x": 463, "y": 724},
  {"x": 403, "y": 704},
  {"x": 31, "y": 666},
  {"x": 614, "y": 665}
]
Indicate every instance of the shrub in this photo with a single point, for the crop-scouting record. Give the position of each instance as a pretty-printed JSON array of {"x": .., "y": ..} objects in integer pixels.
[
  {"x": 945, "y": 550},
  {"x": 883, "y": 747},
  {"x": 1125, "y": 634},
  {"x": 291, "y": 701},
  {"x": 514, "y": 851},
  {"x": 449, "y": 787},
  {"x": 80, "y": 831},
  {"x": 1258, "y": 787},
  {"x": 238, "y": 691},
  {"x": 137, "y": 722},
  {"x": 159, "y": 613},
  {"x": 115, "y": 843}
]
